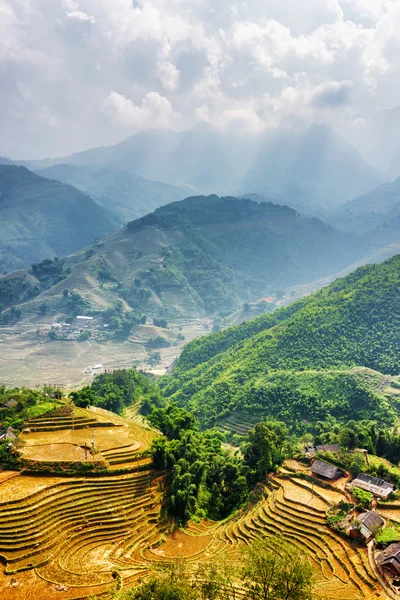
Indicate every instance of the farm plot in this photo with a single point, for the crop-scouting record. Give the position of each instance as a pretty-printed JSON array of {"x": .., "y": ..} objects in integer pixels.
[{"x": 75, "y": 534}]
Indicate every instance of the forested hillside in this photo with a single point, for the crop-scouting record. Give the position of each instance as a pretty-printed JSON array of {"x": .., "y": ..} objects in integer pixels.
[
  {"x": 42, "y": 218},
  {"x": 197, "y": 256},
  {"x": 299, "y": 362}
]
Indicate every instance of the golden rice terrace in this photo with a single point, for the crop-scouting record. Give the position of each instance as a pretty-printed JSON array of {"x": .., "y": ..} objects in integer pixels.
[{"x": 75, "y": 536}]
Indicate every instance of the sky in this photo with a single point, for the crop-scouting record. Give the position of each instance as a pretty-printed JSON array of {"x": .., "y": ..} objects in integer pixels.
[{"x": 81, "y": 73}]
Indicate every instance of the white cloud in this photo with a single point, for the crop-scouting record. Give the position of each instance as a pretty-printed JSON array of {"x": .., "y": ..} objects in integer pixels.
[
  {"x": 169, "y": 75},
  {"x": 153, "y": 112},
  {"x": 78, "y": 15},
  {"x": 173, "y": 62}
]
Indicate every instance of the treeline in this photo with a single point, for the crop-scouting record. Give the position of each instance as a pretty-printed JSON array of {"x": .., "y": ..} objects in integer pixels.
[
  {"x": 19, "y": 404},
  {"x": 203, "y": 479},
  {"x": 117, "y": 390},
  {"x": 376, "y": 439}
]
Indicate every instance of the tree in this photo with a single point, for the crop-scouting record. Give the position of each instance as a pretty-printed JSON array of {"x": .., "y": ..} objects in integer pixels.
[
  {"x": 263, "y": 449},
  {"x": 276, "y": 571},
  {"x": 43, "y": 308},
  {"x": 65, "y": 293}
]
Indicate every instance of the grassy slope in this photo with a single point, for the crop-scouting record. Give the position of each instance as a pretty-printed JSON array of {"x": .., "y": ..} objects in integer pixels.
[
  {"x": 41, "y": 218},
  {"x": 263, "y": 364}
]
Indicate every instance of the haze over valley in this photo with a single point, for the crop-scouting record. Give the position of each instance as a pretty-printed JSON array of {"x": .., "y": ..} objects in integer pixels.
[{"x": 199, "y": 300}]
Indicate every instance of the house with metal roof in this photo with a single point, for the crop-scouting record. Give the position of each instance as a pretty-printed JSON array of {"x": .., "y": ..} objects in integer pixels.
[
  {"x": 9, "y": 435},
  {"x": 323, "y": 469},
  {"x": 389, "y": 559},
  {"x": 328, "y": 448},
  {"x": 378, "y": 487},
  {"x": 367, "y": 524}
]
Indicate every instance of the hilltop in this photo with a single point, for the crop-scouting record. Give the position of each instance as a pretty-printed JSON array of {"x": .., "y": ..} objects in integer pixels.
[
  {"x": 42, "y": 218},
  {"x": 119, "y": 191},
  {"x": 298, "y": 363},
  {"x": 195, "y": 256}
]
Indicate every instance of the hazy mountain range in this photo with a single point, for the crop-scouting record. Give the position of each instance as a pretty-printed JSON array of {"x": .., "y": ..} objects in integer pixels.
[
  {"x": 308, "y": 168},
  {"x": 122, "y": 192}
]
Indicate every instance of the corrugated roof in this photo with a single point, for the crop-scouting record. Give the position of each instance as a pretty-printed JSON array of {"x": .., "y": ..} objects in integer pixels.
[
  {"x": 328, "y": 448},
  {"x": 371, "y": 520},
  {"x": 324, "y": 469},
  {"x": 391, "y": 556},
  {"x": 373, "y": 481}
]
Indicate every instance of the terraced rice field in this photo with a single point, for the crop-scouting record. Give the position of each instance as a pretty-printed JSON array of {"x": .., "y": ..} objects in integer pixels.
[
  {"x": 73, "y": 537},
  {"x": 239, "y": 424}
]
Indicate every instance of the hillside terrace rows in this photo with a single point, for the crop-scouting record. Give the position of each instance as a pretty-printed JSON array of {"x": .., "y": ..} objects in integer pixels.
[
  {"x": 37, "y": 524},
  {"x": 83, "y": 532}
]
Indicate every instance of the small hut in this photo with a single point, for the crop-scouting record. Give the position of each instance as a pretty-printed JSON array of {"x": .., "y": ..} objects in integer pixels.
[{"x": 325, "y": 470}]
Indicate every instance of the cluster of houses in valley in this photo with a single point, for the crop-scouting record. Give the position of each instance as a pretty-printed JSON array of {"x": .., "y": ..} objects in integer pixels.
[
  {"x": 368, "y": 524},
  {"x": 81, "y": 328}
]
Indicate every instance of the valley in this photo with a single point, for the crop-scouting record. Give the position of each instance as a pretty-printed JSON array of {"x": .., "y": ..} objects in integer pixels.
[
  {"x": 37, "y": 360},
  {"x": 199, "y": 300}
]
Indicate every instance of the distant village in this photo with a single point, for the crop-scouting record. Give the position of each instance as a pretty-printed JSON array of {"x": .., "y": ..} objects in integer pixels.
[{"x": 83, "y": 327}]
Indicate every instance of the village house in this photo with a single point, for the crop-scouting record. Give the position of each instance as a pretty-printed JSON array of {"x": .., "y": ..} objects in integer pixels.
[
  {"x": 310, "y": 450},
  {"x": 8, "y": 435},
  {"x": 323, "y": 469},
  {"x": 378, "y": 487},
  {"x": 12, "y": 403},
  {"x": 328, "y": 448},
  {"x": 389, "y": 560},
  {"x": 366, "y": 526}
]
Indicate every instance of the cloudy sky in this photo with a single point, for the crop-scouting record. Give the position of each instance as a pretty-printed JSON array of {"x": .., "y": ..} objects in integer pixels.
[{"x": 81, "y": 73}]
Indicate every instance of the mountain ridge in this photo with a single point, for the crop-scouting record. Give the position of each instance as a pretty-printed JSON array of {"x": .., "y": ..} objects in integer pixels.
[
  {"x": 310, "y": 165},
  {"x": 43, "y": 218},
  {"x": 204, "y": 254}
]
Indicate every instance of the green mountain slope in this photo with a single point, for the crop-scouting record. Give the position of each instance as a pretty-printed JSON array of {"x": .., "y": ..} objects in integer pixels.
[
  {"x": 203, "y": 255},
  {"x": 41, "y": 218},
  {"x": 277, "y": 364},
  {"x": 121, "y": 192}
]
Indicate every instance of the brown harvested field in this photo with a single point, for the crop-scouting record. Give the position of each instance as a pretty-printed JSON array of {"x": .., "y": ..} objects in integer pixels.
[
  {"x": 64, "y": 537},
  {"x": 21, "y": 486},
  {"x": 182, "y": 545},
  {"x": 56, "y": 452},
  {"x": 33, "y": 360}
]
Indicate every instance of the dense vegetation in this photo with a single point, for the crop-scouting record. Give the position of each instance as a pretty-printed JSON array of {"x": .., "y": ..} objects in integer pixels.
[
  {"x": 19, "y": 404},
  {"x": 203, "y": 479},
  {"x": 299, "y": 364},
  {"x": 42, "y": 218},
  {"x": 118, "y": 389}
]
